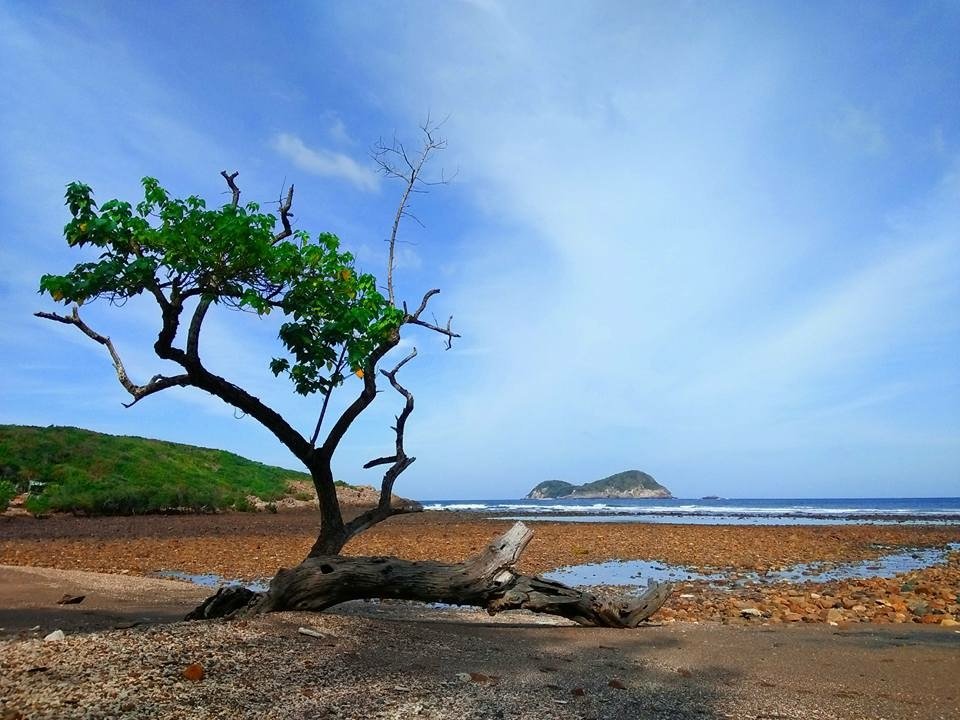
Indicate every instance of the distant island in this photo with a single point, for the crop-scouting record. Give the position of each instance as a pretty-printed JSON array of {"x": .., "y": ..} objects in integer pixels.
[{"x": 627, "y": 484}]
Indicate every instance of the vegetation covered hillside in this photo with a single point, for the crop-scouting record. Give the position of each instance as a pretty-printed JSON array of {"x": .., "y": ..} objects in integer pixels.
[
  {"x": 74, "y": 470},
  {"x": 627, "y": 484}
]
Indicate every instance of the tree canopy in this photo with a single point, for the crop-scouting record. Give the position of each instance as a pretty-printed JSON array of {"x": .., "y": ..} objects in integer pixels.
[{"x": 232, "y": 256}]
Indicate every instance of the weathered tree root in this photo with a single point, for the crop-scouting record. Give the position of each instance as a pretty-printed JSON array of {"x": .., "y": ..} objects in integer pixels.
[{"x": 486, "y": 581}]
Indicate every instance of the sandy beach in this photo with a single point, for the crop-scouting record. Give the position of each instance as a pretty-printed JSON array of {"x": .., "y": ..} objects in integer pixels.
[{"x": 850, "y": 649}]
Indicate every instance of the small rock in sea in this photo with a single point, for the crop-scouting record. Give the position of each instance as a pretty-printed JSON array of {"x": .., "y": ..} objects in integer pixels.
[
  {"x": 194, "y": 672},
  {"x": 751, "y": 612},
  {"x": 578, "y": 692},
  {"x": 617, "y": 684},
  {"x": 464, "y": 677},
  {"x": 55, "y": 636}
]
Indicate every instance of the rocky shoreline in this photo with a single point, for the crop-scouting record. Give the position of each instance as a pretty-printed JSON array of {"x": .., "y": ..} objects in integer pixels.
[{"x": 252, "y": 547}]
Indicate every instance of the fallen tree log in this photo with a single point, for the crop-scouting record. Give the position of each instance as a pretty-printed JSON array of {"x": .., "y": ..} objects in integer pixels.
[{"x": 487, "y": 581}]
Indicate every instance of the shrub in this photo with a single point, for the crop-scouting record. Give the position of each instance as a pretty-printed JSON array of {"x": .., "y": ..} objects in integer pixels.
[{"x": 7, "y": 493}]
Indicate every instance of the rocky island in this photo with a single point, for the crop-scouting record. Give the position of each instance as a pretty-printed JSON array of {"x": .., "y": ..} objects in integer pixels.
[{"x": 627, "y": 484}]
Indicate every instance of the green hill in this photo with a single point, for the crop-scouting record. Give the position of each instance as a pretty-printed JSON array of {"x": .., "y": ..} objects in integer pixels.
[
  {"x": 630, "y": 483},
  {"x": 551, "y": 489},
  {"x": 627, "y": 484},
  {"x": 72, "y": 470}
]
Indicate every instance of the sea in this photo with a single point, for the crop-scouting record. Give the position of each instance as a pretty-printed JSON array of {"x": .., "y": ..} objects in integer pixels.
[{"x": 719, "y": 511}]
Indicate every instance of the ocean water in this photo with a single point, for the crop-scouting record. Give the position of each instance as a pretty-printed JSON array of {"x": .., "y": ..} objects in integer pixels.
[{"x": 765, "y": 511}]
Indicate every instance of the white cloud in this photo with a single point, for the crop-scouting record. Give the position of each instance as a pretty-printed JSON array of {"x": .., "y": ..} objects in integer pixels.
[
  {"x": 325, "y": 163},
  {"x": 670, "y": 279}
]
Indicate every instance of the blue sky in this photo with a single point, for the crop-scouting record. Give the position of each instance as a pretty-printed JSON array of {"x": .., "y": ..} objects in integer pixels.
[{"x": 716, "y": 242}]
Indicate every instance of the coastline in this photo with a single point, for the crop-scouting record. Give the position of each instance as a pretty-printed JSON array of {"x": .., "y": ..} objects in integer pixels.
[
  {"x": 252, "y": 547},
  {"x": 125, "y": 653}
]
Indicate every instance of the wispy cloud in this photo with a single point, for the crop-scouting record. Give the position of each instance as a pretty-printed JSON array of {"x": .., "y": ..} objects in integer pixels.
[{"x": 326, "y": 163}]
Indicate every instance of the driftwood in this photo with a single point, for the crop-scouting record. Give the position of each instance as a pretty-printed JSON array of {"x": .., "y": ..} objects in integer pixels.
[{"x": 487, "y": 581}]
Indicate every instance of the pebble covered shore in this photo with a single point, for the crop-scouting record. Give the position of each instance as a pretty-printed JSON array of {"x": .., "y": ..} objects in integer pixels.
[{"x": 245, "y": 546}]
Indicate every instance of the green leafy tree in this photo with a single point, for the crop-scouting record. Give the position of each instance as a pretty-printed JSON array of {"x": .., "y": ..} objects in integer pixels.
[{"x": 191, "y": 258}]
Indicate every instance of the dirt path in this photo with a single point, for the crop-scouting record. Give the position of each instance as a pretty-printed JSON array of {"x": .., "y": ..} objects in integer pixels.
[{"x": 403, "y": 661}]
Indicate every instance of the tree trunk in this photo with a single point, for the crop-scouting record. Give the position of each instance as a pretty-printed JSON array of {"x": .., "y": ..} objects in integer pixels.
[
  {"x": 332, "y": 535},
  {"x": 486, "y": 581}
]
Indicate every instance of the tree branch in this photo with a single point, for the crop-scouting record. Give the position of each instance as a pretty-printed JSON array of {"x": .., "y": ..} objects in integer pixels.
[
  {"x": 414, "y": 319},
  {"x": 285, "y": 216},
  {"x": 388, "y": 157},
  {"x": 326, "y": 398},
  {"x": 233, "y": 186},
  {"x": 138, "y": 392},
  {"x": 399, "y": 462},
  {"x": 380, "y": 461},
  {"x": 362, "y": 402}
]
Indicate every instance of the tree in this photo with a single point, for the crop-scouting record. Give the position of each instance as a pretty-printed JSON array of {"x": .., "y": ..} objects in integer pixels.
[{"x": 336, "y": 322}]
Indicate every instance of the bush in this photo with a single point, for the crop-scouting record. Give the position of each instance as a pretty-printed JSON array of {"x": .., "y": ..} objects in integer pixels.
[
  {"x": 74, "y": 470},
  {"x": 7, "y": 493}
]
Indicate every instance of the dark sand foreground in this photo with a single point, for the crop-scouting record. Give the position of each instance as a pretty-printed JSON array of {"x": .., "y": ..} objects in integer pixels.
[{"x": 399, "y": 661}]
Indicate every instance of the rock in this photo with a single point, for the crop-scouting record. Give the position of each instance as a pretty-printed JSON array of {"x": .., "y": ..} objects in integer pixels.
[
  {"x": 194, "y": 672},
  {"x": 792, "y": 617},
  {"x": 55, "y": 636},
  {"x": 617, "y": 684},
  {"x": 310, "y": 632},
  {"x": 834, "y": 615},
  {"x": 751, "y": 612},
  {"x": 71, "y": 599},
  {"x": 578, "y": 692},
  {"x": 478, "y": 677},
  {"x": 949, "y": 622}
]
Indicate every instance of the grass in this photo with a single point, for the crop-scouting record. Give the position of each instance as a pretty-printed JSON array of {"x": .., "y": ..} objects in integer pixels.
[{"x": 73, "y": 470}]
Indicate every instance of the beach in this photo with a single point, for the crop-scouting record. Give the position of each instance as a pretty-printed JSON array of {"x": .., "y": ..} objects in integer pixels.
[
  {"x": 244, "y": 546},
  {"x": 856, "y": 648}
]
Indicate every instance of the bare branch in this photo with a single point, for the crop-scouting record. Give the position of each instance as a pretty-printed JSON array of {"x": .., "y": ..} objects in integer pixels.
[
  {"x": 138, "y": 392},
  {"x": 395, "y": 162},
  {"x": 285, "y": 216},
  {"x": 423, "y": 303},
  {"x": 230, "y": 177},
  {"x": 380, "y": 461},
  {"x": 414, "y": 319},
  {"x": 398, "y": 462},
  {"x": 367, "y": 395}
]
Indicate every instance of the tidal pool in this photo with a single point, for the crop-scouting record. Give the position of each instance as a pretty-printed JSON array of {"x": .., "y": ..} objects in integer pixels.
[
  {"x": 640, "y": 572},
  {"x": 210, "y": 580}
]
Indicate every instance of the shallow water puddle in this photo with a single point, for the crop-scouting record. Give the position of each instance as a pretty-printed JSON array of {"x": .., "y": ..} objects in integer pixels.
[
  {"x": 639, "y": 572},
  {"x": 210, "y": 580}
]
